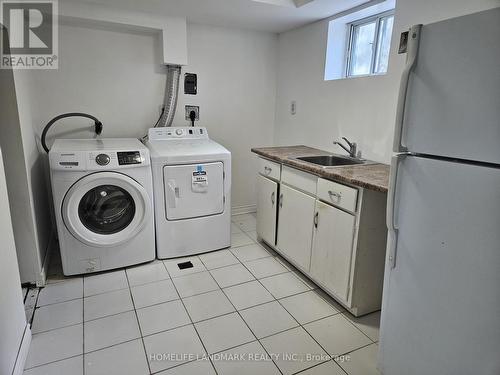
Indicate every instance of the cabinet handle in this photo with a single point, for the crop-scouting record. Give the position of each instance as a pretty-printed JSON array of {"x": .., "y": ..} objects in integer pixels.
[
  {"x": 316, "y": 220},
  {"x": 281, "y": 200},
  {"x": 334, "y": 194},
  {"x": 273, "y": 195},
  {"x": 267, "y": 169}
]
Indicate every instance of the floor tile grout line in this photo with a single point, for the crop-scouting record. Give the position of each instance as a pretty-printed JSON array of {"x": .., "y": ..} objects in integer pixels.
[
  {"x": 112, "y": 345},
  {"x": 138, "y": 322},
  {"x": 108, "y": 316},
  {"x": 55, "y": 303},
  {"x": 253, "y": 333},
  {"x": 275, "y": 274},
  {"x": 339, "y": 312},
  {"x": 355, "y": 326},
  {"x": 249, "y": 307},
  {"x": 227, "y": 265},
  {"x": 194, "y": 322},
  {"x": 326, "y": 351},
  {"x": 56, "y": 328},
  {"x": 239, "y": 283},
  {"x": 321, "y": 364},
  {"x": 108, "y": 291},
  {"x": 268, "y": 277},
  {"x": 352, "y": 351},
  {"x": 51, "y": 362},
  {"x": 194, "y": 326},
  {"x": 175, "y": 366},
  {"x": 299, "y": 325}
]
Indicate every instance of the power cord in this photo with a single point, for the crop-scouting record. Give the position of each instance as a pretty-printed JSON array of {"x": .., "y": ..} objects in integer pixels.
[
  {"x": 159, "y": 118},
  {"x": 145, "y": 136},
  {"x": 192, "y": 117}
]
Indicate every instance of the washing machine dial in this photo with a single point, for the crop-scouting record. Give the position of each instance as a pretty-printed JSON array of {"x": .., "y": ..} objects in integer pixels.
[
  {"x": 102, "y": 159},
  {"x": 179, "y": 132}
]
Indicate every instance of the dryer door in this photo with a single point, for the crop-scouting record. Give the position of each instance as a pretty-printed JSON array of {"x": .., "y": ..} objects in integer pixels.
[
  {"x": 106, "y": 209},
  {"x": 193, "y": 190}
]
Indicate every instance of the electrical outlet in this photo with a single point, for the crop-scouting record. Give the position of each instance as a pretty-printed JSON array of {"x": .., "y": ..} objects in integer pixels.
[
  {"x": 293, "y": 107},
  {"x": 196, "y": 110}
]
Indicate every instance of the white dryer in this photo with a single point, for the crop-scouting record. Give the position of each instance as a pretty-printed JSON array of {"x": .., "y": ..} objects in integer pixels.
[
  {"x": 192, "y": 187},
  {"x": 103, "y": 200}
]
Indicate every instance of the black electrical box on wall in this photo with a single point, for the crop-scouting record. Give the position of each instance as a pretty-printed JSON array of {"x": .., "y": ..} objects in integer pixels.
[{"x": 190, "y": 84}]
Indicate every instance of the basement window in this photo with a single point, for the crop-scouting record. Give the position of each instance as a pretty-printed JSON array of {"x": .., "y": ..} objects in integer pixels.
[
  {"x": 368, "y": 45},
  {"x": 359, "y": 41}
]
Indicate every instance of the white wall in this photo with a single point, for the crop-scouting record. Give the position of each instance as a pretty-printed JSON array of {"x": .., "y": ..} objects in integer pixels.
[
  {"x": 236, "y": 94},
  {"x": 12, "y": 317},
  {"x": 115, "y": 75},
  {"x": 23, "y": 171},
  {"x": 361, "y": 109}
]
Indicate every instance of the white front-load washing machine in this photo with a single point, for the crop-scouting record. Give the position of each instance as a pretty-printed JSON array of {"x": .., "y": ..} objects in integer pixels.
[
  {"x": 103, "y": 201},
  {"x": 192, "y": 187}
]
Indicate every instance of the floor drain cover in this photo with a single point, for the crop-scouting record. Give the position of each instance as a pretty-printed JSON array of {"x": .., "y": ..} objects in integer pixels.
[{"x": 185, "y": 265}]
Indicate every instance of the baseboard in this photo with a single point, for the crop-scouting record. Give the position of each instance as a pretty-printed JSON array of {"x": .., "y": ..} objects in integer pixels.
[
  {"x": 23, "y": 351},
  {"x": 42, "y": 277},
  {"x": 240, "y": 210}
]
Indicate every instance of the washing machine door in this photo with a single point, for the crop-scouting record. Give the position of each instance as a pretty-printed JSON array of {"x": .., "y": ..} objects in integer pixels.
[{"x": 106, "y": 209}]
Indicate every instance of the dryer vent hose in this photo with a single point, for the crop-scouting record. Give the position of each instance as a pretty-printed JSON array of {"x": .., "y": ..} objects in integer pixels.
[{"x": 171, "y": 94}]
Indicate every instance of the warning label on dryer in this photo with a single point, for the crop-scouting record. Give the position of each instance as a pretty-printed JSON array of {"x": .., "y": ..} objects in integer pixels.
[
  {"x": 199, "y": 181},
  {"x": 200, "y": 176}
]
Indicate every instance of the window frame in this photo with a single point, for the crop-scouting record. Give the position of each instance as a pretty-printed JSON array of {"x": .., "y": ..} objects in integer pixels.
[{"x": 350, "y": 30}]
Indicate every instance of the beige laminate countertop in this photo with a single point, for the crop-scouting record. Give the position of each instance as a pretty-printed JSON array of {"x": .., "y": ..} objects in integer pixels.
[{"x": 374, "y": 176}]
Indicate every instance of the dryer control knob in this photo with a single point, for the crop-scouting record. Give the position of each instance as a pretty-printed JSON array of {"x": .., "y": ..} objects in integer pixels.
[
  {"x": 179, "y": 132},
  {"x": 102, "y": 159}
]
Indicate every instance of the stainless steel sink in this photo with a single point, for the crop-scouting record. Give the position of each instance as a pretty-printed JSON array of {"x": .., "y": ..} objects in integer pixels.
[{"x": 331, "y": 160}]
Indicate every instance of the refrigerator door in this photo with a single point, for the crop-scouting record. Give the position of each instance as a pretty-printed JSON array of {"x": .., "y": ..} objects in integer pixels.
[
  {"x": 452, "y": 106},
  {"x": 441, "y": 303}
]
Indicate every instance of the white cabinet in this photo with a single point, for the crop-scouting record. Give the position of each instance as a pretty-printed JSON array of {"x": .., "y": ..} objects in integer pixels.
[
  {"x": 267, "y": 201},
  {"x": 333, "y": 238},
  {"x": 334, "y": 233},
  {"x": 295, "y": 226},
  {"x": 269, "y": 169}
]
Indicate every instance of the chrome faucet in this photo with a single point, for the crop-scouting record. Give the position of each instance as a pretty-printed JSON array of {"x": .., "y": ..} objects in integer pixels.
[{"x": 353, "y": 147}]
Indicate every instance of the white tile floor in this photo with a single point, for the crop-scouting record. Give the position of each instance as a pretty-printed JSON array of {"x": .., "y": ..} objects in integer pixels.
[{"x": 250, "y": 310}]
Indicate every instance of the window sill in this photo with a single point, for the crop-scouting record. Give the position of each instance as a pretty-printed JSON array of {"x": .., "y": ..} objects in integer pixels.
[{"x": 355, "y": 77}]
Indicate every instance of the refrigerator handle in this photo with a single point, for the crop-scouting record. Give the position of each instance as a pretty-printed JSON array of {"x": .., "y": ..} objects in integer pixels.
[
  {"x": 391, "y": 208},
  {"x": 411, "y": 58}
]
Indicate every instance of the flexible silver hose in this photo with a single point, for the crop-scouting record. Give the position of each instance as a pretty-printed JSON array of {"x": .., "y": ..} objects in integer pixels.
[{"x": 171, "y": 94}]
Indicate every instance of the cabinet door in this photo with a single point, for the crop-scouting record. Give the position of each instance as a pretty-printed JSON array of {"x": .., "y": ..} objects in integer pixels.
[
  {"x": 332, "y": 248},
  {"x": 267, "y": 198},
  {"x": 295, "y": 227}
]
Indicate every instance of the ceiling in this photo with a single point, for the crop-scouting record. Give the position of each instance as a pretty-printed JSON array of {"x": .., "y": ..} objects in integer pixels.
[{"x": 266, "y": 15}]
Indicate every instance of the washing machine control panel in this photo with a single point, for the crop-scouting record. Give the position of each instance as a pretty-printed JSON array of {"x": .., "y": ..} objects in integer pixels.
[
  {"x": 99, "y": 160},
  {"x": 129, "y": 157},
  {"x": 111, "y": 159},
  {"x": 102, "y": 159}
]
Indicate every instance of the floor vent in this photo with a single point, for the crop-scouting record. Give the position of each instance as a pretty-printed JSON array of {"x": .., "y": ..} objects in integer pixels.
[{"x": 184, "y": 265}]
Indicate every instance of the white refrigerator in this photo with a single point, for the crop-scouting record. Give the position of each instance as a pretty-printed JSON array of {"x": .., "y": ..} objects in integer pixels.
[{"x": 441, "y": 300}]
